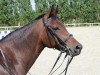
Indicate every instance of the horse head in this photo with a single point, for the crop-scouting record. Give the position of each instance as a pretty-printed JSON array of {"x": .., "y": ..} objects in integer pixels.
[{"x": 56, "y": 35}]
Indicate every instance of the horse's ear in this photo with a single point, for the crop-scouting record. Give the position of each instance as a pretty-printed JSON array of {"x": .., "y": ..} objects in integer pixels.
[
  {"x": 57, "y": 9},
  {"x": 48, "y": 13},
  {"x": 52, "y": 10}
]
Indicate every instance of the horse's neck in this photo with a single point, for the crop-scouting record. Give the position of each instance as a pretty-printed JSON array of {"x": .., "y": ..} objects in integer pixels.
[
  {"x": 27, "y": 48},
  {"x": 31, "y": 48}
]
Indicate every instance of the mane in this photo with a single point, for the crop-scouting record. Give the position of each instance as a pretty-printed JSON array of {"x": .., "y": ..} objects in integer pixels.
[
  {"x": 24, "y": 27},
  {"x": 27, "y": 26}
]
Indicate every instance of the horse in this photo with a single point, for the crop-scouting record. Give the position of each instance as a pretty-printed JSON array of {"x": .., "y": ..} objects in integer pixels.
[{"x": 20, "y": 49}]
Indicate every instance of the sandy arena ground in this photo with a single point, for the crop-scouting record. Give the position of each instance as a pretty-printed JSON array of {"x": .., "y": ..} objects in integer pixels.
[{"x": 87, "y": 63}]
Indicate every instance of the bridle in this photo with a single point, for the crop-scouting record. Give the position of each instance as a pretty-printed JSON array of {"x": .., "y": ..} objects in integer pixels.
[
  {"x": 62, "y": 44},
  {"x": 63, "y": 48}
]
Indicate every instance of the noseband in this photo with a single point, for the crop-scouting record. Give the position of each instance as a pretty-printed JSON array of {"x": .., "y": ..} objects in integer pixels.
[
  {"x": 63, "y": 48},
  {"x": 62, "y": 44}
]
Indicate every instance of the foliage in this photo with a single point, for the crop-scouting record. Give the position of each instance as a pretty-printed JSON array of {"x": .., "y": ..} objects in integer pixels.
[
  {"x": 15, "y": 12},
  {"x": 73, "y": 11},
  {"x": 19, "y": 12}
]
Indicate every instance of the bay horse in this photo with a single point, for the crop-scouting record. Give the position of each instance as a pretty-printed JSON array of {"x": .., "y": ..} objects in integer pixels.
[{"x": 20, "y": 49}]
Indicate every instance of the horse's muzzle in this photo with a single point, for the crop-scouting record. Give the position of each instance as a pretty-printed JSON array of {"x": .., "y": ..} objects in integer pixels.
[{"x": 77, "y": 49}]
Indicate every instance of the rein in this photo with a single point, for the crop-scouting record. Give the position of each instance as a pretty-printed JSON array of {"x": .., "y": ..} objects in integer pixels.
[{"x": 62, "y": 45}]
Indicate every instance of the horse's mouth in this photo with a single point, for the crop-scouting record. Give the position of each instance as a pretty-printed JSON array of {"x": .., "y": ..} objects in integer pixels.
[{"x": 72, "y": 52}]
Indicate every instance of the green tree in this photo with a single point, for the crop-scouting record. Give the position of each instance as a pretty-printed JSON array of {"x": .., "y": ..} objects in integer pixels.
[
  {"x": 15, "y": 12},
  {"x": 19, "y": 12}
]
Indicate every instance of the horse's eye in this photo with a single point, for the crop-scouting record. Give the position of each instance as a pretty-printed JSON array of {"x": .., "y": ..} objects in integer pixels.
[{"x": 55, "y": 28}]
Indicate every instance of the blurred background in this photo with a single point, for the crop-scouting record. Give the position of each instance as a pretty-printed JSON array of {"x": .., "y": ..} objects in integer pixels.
[
  {"x": 20, "y": 12},
  {"x": 81, "y": 18}
]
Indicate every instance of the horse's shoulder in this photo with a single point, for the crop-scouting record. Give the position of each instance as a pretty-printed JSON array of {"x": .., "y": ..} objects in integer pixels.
[{"x": 7, "y": 61}]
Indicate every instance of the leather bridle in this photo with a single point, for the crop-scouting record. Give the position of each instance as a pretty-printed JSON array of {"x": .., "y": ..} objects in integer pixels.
[
  {"x": 63, "y": 48},
  {"x": 62, "y": 44}
]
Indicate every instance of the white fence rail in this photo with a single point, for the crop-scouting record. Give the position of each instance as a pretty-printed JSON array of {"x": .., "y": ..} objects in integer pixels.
[
  {"x": 73, "y": 24},
  {"x": 5, "y": 30},
  {"x": 9, "y": 27},
  {"x": 83, "y": 24}
]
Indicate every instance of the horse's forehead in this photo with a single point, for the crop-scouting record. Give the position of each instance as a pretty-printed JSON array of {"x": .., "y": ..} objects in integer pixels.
[{"x": 55, "y": 21}]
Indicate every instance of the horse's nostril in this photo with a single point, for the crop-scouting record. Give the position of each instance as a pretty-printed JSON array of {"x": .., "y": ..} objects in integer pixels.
[{"x": 78, "y": 47}]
